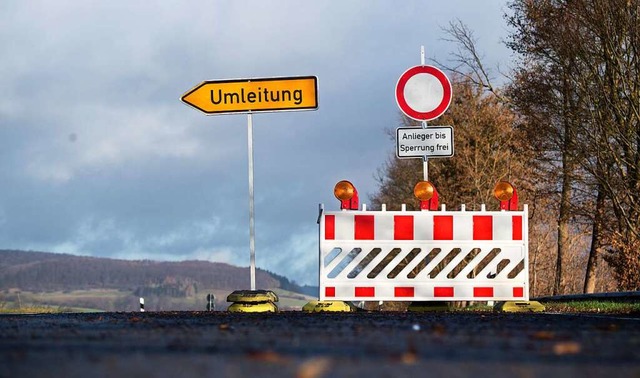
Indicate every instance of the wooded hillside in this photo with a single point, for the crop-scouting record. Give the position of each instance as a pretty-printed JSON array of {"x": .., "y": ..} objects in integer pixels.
[{"x": 41, "y": 272}]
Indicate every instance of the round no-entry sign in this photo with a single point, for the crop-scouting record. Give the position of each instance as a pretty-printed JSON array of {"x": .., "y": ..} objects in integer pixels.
[{"x": 423, "y": 93}]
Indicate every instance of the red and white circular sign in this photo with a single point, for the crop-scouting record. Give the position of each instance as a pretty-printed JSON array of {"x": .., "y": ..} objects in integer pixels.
[{"x": 423, "y": 93}]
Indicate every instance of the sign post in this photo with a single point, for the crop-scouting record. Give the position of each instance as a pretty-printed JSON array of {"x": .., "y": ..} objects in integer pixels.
[
  {"x": 252, "y": 223},
  {"x": 249, "y": 96},
  {"x": 423, "y": 93}
]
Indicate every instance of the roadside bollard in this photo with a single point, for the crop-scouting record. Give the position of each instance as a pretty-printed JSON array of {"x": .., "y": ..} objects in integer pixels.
[{"x": 211, "y": 302}]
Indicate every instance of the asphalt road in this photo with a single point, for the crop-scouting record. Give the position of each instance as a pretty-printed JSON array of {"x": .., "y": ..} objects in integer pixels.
[{"x": 296, "y": 344}]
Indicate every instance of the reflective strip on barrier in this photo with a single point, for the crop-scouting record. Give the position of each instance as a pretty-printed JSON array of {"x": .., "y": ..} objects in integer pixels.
[
  {"x": 432, "y": 291},
  {"x": 423, "y": 226}
]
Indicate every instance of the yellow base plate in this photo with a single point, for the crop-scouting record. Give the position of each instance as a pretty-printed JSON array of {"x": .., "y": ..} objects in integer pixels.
[
  {"x": 328, "y": 306},
  {"x": 253, "y": 307},
  {"x": 519, "y": 306},
  {"x": 252, "y": 296}
]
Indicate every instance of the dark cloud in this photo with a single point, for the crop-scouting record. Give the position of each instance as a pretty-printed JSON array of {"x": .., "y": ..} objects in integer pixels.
[{"x": 99, "y": 157}]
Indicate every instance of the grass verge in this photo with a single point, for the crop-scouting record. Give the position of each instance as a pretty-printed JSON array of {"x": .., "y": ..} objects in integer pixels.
[
  {"x": 30, "y": 308},
  {"x": 594, "y": 306}
]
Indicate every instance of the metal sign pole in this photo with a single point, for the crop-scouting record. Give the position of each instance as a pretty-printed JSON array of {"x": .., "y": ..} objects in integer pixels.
[
  {"x": 425, "y": 159},
  {"x": 252, "y": 232},
  {"x": 202, "y": 97}
]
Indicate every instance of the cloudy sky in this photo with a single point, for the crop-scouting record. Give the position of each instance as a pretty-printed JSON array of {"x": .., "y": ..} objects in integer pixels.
[{"x": 99, "y": 157}]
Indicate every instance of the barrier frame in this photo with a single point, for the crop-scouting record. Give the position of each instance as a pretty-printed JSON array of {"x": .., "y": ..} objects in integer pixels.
[{"x": 342, "y": 276}]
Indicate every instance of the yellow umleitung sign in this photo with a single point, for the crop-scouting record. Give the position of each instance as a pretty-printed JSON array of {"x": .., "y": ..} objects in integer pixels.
[{"x": 254, "y": 95}]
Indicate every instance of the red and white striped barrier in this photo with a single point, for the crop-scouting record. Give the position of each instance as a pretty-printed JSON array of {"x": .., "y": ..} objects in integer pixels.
[
  {"x": 429, "y": 226},
  {"x": 424, "y": 255}
]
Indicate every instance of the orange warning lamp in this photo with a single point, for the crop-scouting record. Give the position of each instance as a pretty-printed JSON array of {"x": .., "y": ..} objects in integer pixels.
[
  {"x": 507, "y": 195},
  {"x": 347, "y": 194},
  {"x": 426, "y": 192}
]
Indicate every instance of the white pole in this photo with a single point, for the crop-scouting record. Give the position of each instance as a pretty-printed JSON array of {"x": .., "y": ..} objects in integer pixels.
[
  {"x": 425, "y": 168},
  {"x": 425, "y": 159},
  {"x": 252, "y": 232}
]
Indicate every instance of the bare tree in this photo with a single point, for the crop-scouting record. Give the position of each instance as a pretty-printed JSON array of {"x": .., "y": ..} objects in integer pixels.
[
  {"x": 543, "y": 92},
  {"x": 467, "y": 60},
  {"x": 578, "y": 72}
]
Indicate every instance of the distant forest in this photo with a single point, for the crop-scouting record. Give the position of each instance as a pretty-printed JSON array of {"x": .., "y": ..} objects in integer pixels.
[{"x": 49, "y": 272}]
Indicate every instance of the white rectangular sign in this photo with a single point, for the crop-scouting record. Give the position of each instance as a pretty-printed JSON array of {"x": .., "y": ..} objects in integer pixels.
[{"x": 433, "y": 142}]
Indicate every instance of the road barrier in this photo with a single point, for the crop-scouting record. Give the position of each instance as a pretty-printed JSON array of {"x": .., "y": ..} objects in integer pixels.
[{"x": 424, "y": 255}]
